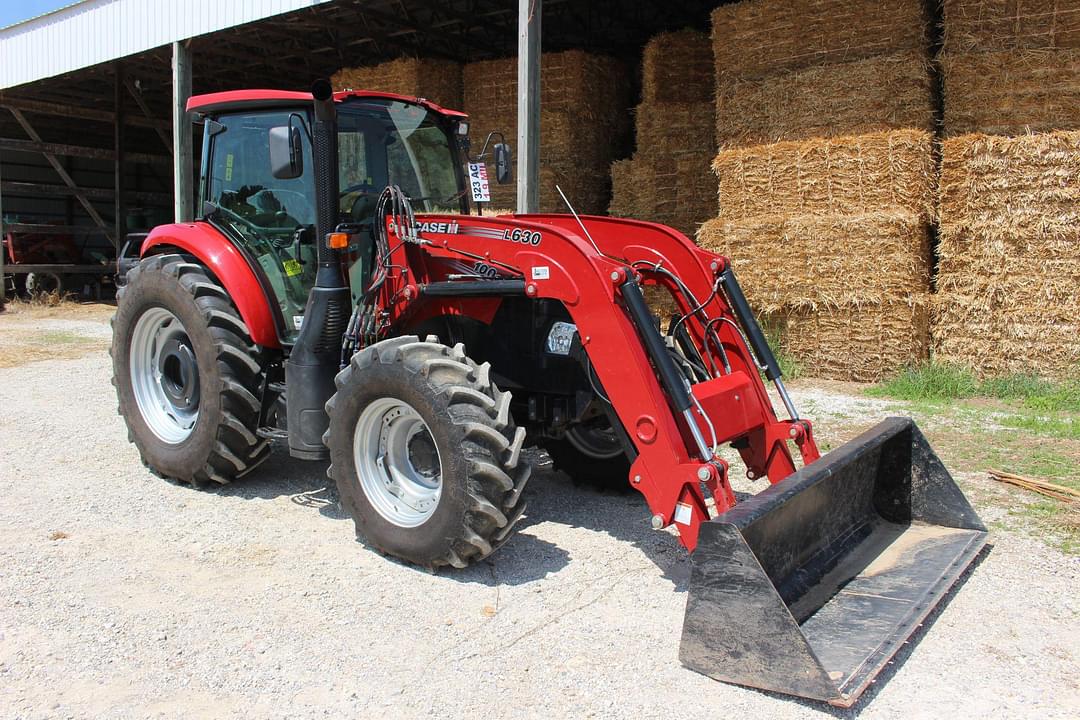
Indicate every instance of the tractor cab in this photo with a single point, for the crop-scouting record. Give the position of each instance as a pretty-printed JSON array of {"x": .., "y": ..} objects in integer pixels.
[{"x": 258, "y": 178}]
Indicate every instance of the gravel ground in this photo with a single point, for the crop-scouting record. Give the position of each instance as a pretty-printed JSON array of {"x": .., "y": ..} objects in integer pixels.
[{"x": 122, "y": 595}]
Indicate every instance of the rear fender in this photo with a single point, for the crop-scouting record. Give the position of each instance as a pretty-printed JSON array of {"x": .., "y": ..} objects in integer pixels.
[{"x": 229, "y": 266}]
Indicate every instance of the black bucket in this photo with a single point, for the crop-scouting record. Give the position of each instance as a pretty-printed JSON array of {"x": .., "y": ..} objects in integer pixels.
[{"x": 809, "y": 587}]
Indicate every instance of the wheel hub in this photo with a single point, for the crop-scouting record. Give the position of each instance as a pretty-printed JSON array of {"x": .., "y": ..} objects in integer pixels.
[
  {"x": 397, "y": 462},
  {"x": 164, "y": 375}
]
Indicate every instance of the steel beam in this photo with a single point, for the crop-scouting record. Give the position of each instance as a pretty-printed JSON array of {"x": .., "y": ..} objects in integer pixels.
[
  {"x": 528, "y": 109},
  {"x": 183, "y": 180}
]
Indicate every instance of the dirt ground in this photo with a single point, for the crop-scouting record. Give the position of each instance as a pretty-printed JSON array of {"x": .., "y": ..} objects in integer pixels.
[{"x": 125, "y": 596}]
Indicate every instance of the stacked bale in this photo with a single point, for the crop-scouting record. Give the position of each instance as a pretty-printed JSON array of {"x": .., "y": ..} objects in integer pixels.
[
  {"x": 827, "y": 176},
  {"x": 583, "y": 123},
  {"x": 1009, "y": 209},
  {"x": 436, "y": 80},
  {"x": 668, "y": 179}
]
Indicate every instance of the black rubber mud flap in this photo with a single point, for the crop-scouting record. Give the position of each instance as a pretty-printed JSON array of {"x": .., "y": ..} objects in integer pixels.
[{"x": 810, "y": 587}]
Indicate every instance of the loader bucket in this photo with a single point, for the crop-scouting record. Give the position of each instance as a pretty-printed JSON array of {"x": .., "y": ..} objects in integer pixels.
[{"x": 810, "y": 587}]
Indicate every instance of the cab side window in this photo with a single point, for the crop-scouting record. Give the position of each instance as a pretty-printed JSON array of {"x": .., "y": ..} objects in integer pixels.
[{"x": 241, "y": 181}]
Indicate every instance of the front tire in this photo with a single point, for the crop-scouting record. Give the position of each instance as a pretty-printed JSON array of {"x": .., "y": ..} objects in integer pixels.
[
  {"x": 186, "y": 373},
  {"x": 426, "y": 457}
]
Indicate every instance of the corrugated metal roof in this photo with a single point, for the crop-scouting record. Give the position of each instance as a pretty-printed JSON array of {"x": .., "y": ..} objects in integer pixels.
[{"x": 97, "y": 31}]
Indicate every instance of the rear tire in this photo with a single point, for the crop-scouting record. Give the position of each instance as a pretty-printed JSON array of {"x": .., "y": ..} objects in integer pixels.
[
  {"x": 461, "y": 488},
  {"x": 186, "y": 373},
  {"x": 592, "y": 455}
]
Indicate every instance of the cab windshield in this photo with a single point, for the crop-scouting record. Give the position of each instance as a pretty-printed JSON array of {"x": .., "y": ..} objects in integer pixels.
[{"x": 386, "y": 142}]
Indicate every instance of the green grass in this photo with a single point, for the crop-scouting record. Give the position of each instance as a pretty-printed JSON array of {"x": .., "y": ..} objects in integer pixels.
[
  {"x": 940, "y": 382},
  {"x": 790, "y": 368}
]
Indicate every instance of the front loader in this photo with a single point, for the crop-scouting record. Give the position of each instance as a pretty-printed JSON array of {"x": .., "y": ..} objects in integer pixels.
[{"x": 335, "y": 295}]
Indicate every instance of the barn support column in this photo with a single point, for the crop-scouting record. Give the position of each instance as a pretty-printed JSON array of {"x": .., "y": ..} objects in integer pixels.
[
  {"x": 119, "y": 211},
  {"x": 528, "y": 110},
  {"x": 183, "y": 191}
]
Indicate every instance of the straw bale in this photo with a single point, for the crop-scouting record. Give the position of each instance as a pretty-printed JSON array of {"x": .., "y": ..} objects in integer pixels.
[
  {"x": 756, "y": 38},
  {"x": 436, "y": 80},
  {"x": 584, "y": 125},
  {"x": 1009, "y": 274},
  {"x": 880, "y": 93},
  {"x": 856, "y": 174},
  {"x": 674, "y": 191},
  {"x": 989, "y": 25},
  {"x": 1011, "y": 182},
  {"x": 671, "y": 128},
  {"x": 1011, "y": 92},
  {"x": 864, "y": 343},
  {"x": 677, "y": 67},
  {"x": 624, "y": 189},
  {"x": 814, "y": 262}
]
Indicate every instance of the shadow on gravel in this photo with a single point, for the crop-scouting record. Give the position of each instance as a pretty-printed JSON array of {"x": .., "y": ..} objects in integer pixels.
[
  {"x": 551, "y": 497},
  {"x": 897, "y": 661}
]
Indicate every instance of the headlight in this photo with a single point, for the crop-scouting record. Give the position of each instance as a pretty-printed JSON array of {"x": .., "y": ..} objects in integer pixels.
[{"x": 561, "y": 338}]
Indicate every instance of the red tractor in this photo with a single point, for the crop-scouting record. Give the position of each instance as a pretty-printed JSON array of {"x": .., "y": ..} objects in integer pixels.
[{"x": 336, "y": 294}]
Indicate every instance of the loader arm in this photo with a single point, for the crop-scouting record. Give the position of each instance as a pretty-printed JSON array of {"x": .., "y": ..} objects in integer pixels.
[
  {"x": 809, "y": 587},
  {"x": 676, "y": 425}
]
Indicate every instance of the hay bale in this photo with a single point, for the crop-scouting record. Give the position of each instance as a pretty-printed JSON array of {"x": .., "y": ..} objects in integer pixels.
[
  {"x": 1007, "y": 281},
  {"x": 677, "y": 67},
  {"x": 675, "y": 191},
  {"x": 812, "y": 262},
  {"x": 756, "y": 38},
  {"x": 864, "y": 343},
  {"x": 1011, "y": 92},
  {"x": 584, "y": 124},
  {"x": 854, "y": 175},
  {"x": 990, "y": 25},
  {"x": 624, "y": 189},
  {"x": 671, "y": 128},
  {"x": 436, "y": 80},
  {"x": 888, "y": 92}
]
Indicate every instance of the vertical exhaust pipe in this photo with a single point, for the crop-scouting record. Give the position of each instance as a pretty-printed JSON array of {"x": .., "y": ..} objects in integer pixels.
[{"x": 315, "y": 357}]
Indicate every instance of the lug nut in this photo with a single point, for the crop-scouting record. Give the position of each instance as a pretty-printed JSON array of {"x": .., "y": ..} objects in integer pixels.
[{"x": 658, "y": 522}]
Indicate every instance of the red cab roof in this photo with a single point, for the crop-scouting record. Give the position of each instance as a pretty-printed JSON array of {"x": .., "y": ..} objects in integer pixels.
[{"x": 255, "y": 99}]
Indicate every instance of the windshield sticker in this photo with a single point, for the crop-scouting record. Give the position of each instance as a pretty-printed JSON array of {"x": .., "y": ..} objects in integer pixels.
[{"x": 292, "y": 267}]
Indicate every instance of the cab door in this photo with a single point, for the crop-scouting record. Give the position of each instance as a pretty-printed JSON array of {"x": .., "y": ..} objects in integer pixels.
[{"x": 272, "y": 219}]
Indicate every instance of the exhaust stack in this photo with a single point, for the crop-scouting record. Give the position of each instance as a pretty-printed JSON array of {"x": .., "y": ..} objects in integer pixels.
[{"x": 316, "y": 355}]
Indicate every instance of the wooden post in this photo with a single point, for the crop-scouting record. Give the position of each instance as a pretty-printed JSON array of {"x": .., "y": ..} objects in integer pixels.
[
  {"x": 119, "y": 210},
  {"x": 528, "y": 109},
  {"x": 3, "y": 282},
  {"x": 183, "y": 192}
]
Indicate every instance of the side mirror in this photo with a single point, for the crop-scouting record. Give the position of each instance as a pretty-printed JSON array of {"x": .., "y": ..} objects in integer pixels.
[
  {"x": 504, "y": 173},
  {"x": 286, "y": 153}
]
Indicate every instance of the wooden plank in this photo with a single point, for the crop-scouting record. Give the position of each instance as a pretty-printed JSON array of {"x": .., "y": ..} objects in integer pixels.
[
  {"x": 47, "y": 229},
  {"x": 74, "y": 111},
  {"x": 21, "y": 269},
  {"x": 27, "y": 189},
  {"x": 162, "y": 131},
  {"x": 63, "y": 150}
]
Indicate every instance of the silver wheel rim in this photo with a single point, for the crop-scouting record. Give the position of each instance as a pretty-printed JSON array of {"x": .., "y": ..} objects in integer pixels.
[
  {"x": 164, "y": 375},
  {"x": 596, "y": 441},
  {"x": 397, "y": 461}
]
